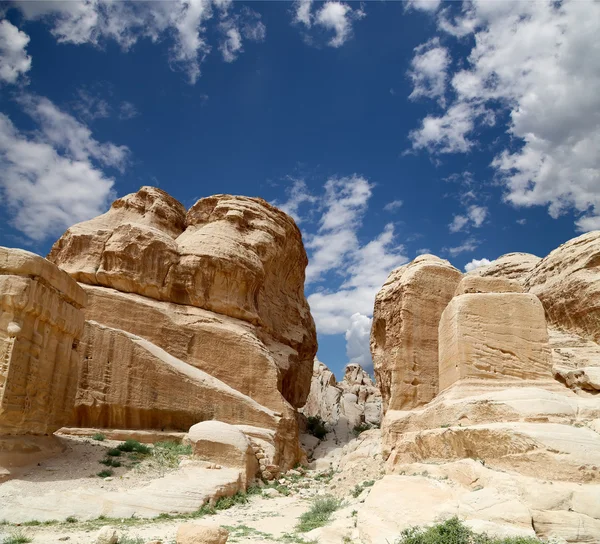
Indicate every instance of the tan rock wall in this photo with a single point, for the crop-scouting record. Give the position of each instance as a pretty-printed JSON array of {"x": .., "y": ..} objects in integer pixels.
[
  {"x": 404, "y": 339},
  {"x": 493, "y": 336},
  {"x": 40, "y": 327}
]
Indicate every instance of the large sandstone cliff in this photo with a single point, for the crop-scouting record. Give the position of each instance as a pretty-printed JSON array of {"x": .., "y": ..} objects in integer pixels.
[{"x": 509, "y": 359}]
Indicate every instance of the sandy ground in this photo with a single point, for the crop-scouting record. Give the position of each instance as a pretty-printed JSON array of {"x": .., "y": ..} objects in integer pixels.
[{"x": 264, "y": 519}]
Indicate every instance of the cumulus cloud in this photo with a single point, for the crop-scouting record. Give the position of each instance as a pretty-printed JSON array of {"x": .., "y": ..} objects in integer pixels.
[
  {"x": 333, "y": 16},
  {"x": 182, "y": 21},
  {"x": 358, "y": 339},
  {"x": 475, "y": 216},
  {"x": 54, "y": 177},
  {"x": 14, "y": 60},
  {"x": 428, "y": 71},
  {"x": 536, "y": 65},
  {"x": 424, "y": 5},
  {"x": 393, "y": 205},
  {"x": 470, "y": 244},
  {"x": 297, "y": 195},
  {"x": 127, "y": 110},
  {"x": 353, "y": 271},
  {"x": 476, "y": 263}
]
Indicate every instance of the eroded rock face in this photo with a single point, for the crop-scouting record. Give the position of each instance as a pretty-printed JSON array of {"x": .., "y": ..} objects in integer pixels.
[
  {"x": 212, "y": 298},
  {"x": 235, "y": 256},
  {"x": 404, "y": 338},
  {"x": 567, "y": 283},
  {"x": 512, "y": 266},
  {"x": 41, "y": 323}
]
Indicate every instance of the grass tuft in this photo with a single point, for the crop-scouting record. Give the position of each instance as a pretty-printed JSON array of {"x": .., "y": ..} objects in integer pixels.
[
  {"x": 134, "y": 446},
  {"x": 113, "y": 452},
  {"x": 104, "y": 474},
  {"x": 71, "y": 519},
  {"x": 359, "y": 488},
  {"x": 17, "y": 537},
  {"x": 167, "y": 454},
  {"x": 456, "y": 532},
  {"x": 99, "y": 437},
  {"x": 318, "y": 515}
]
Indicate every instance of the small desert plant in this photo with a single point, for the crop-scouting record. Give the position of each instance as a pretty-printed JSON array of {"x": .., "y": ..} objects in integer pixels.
[
  {"x": 134, "y": 446},
  {"x": 167, "y": 454},
  {"x": 318, "y": 515},
  {"x": 456, "y": 532},
  {"x": 99, "y": 437},
  {"x": 361, "y": 428},
  {"x": 316, "y": 426},
  {"x": 358, "y": 488},
  {"x": 17, "y": 537},
  {"x": 71, "y": 519},
  {"x": 113, "y": 452},
  {"x": 110, "y": 462},
  {"x": 126, "y": 539},
  {"x": 104, "y": 474}
]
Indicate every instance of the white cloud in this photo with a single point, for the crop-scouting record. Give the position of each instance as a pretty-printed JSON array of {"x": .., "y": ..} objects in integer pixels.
[
  {"x": 14, "y": 60},
  {"x": 297, "y": 194},
  {"x": 476, "y": 263},
  {"x": 429, "y": 71},
  {"x": 127, "y": 110},
  {"x": 477, "y": 215},
  {"x": 537, "y": 65},
  {"x": 458, "y": 223},
  {"x": 334, "y": 16},
  {"x": 183, "y": 21},
  {"x": 423, "y": 251},
  {"x": 52, "y": 179},
  {"x": 424, "y": 5},
  {"x": 470, "y": 244},
  {"x": 393, "y": 205},
  {"x": 90, "y": 106},
  {"x": 358, "y": 340}
]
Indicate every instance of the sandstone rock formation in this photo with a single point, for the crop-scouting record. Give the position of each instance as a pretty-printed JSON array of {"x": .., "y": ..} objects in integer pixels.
[
  {"x": 515, "y": 410},
  {"x": 513, "y": 266},
  {"x": 41, "y": 323},
  {"x": 201, "y": 533},
  {"x": 404, "y": 342},
  {"x": 566, "y": 281},
  {"x": 209, "y": 303}
]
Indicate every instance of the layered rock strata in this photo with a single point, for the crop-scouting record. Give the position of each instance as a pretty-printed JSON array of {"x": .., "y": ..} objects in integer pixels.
[{"x": 41, "y": 324}]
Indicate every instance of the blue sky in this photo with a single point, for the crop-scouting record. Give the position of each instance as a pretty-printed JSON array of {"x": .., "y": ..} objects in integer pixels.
[{"x": 387, "y": 129}]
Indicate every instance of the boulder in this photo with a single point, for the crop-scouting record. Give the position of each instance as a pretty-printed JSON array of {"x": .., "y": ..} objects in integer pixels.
[
  {"x": 41, "y": 323},
  {"x": 567, "y": 282},
  {"x": 223, "y": 444},
  {"x": 404, "y": 337},
  {"x": 201, "y": 533},
  {"x": 493, "y": 336},
  {"x": 107, "y": 535}
]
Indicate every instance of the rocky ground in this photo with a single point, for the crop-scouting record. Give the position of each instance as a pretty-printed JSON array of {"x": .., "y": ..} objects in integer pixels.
[{"x": 270, "y": 514}]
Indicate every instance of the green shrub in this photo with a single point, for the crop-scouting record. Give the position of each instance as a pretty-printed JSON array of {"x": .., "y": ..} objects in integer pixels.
[
  {"x": 99, "y": 437},
  {"x": 110, "y": 462},
  {"x": 113, "y": 452},
  {"x": 167, "y": 454},
  {"x": 71, "y": 519},
  {"x": 105, "y": 474},
  {"x": 316, "y": 427},
  {"x": 360, "y": 428},
  {"x": 17, "y": 537},
  {"x": 454, "y": 531},
  {"x": 358, "y": 488},
  {"x": 125, "y": 539},
  {"x": 134, "y": 446},
  {"x": 319, "y": 514}
]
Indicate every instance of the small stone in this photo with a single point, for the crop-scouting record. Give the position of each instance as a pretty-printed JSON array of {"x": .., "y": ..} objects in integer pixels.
[
  {"x": 201, "y": 533},
  {"x": 107, "y": 535},
  {"x": 64, "y": 538}
]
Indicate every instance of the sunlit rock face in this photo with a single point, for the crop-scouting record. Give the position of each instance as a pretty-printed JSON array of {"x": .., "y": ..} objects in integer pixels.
[
  {"x": 404, "y": 339},
  {"x": 41, "y": 324},
  {"x": 219, "y": 288},
  {"x": 517, "y": 364}
]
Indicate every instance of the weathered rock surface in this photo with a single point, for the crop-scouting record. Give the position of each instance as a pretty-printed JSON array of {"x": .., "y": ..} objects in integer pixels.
[
  {"x": 208, "y": 301},
  {"x": 404, "y": 340},
  {"x": 41, "y": 323},
  {"x": 223, "y": 444},
  {"x": 512, "y": 266},
  {"x": 234, "y": 256},
  {"x": 487, "y": 284},
  {"x": 567, "y": 283},
  {"x": 201, "y": 533},
  {"x": 493, "y": 336}
]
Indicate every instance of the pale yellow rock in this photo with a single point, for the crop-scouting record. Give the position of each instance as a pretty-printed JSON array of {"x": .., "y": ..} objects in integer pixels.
[
  {"x": 512, "y": 266},
  {"x": 127, "y": 382},
  {"x": 570, "y": 526},
  {"x": 567, "y": 282},
  {"x": 487, "y": 284},
  {"x": 493, "y": 336},
  {"x": 201, "y": 533},
  {"x": 234, "y": 256},
  {"x": 107, "y": 535},
  {"x": 224, "y": 444},
  {"x": 40, "y": 327},
  {"x": 404, "y": 339}
]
